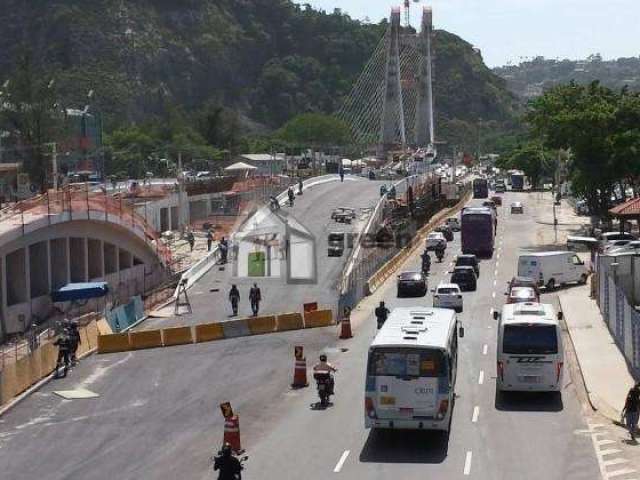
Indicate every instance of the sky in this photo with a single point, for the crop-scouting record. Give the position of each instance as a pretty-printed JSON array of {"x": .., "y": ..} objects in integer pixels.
[{"x": 514, "y": 30}]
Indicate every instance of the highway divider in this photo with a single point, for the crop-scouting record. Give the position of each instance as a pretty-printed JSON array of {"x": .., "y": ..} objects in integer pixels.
[
  {"x": 391, "y": 266},
  {"x": 208, "y": 332}
]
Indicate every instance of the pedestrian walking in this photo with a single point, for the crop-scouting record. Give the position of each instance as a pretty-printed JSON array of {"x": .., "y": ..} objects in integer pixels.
[
  {"x": 64, "y": 346},
  {"x": 631, "y": 410},
  {"x": 224, "y": 250},
  {"x": 75, "y": 341},
  {"x": 191, "y": 239},
  {"x": 209, "y": 240},
  {"x": 234, "y": 298},
  {"x": 341, "y": 172},
  {"x": 255, "y": 296}
]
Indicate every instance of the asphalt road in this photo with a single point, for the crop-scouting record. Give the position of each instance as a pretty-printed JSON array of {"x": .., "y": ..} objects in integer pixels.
[
  {"x": 157, "y": 415},
  {"x": 209, "y": 296}
]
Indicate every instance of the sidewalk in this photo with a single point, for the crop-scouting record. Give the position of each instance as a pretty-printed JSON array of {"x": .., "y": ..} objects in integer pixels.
[{"x": 606, "y": 376}]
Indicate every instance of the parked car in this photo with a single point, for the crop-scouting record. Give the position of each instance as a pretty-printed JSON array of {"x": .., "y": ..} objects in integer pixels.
[
  {"x": 629, "y": 247},
  {"x": 412, "y": 284},
  {"x": 500, "y": 187},
  {"x": 336, "y": 244},
  {"x": 435, "y": 240},
  {"x": 553, "y": 268},
  {"x": 615, "y": 244},
  {"x": 343, "y": 211},
  {"x": 490, "y": 204},
  {"x": 446, "y": 231},
  {"x": 469, "y": 260},
  {"x": 465, "y": 278},
  {"x": 448, "y": 295},
  {"x": 517, "y": 207},
  {"x": 522, "y": 295},
  {"x": 453, "y": 223},
  {"x": 497, "y": 200}
]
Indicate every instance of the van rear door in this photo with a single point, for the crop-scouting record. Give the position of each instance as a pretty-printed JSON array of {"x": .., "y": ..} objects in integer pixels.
[
  {"x": 529, "y": 266},
  {"x": 407, "y": 381}
]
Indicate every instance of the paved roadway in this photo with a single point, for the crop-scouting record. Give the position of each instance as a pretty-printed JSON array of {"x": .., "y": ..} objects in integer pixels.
[
  {"x": 313, "y": 210},
  {"x": 157, "y": 415}
]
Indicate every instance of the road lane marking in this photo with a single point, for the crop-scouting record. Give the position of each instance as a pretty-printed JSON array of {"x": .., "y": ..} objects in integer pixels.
[
  {"x": 495, "y": 282},
  {"x": 602, "y": 443},
  {"x": 497, "y": 263},
  {"x": 340, "y": 463},
  {"x": 476, "y": 412},
  {"x": 498, "y": 255},
  {"x": 496, "y": 272},
  {"x": 617, "y": 473},
  {"x": 467, "y": 463},
  {"x": 615, "y": 461},
  {"x": 609, "y": 451},
  {"x": 493, "y": 294},
  {"x": 481, "y": 377},
  {"x": 485, "y": 348}
]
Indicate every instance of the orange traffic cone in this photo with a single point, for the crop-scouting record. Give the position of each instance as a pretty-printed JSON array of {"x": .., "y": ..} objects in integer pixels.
[
  {"x": 300, "y": 374},
  {"x": 345, "y": 330},
  {"x": 232, "y": 433}
]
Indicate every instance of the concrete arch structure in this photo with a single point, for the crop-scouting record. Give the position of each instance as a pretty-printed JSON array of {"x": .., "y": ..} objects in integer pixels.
[{"x": 72, "y": 237}]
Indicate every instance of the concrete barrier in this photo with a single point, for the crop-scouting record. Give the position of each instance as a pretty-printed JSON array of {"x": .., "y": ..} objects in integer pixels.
[
  {"x": 48, "y": 358},
  {"x": 145, "y": 339},
  {"x": 208, "y": 332},
  {"x": 176, "y": 336},
  {"x": 115, "y": 342},
  {"x": 8, "y": 386},
  {"x": 261, "y": 325},
  {"x": 289, "y": 321},
  {"x": 319, "y": 318},
  {"x": 236, "y": 328},
  {"x": 23, "y": 374}
]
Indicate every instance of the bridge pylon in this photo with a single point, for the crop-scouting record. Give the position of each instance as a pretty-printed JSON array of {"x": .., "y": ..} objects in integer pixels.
[{"x": 424, "y": 128}]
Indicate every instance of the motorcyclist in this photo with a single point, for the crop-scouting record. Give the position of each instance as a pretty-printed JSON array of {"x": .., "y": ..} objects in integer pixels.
[
  {"x": 229, "y": 466},
  {"x": 382, "y": 313},
  {"x": 426, "y": 262},
  {"x": 440, "y": 252},
  {"x": 64, "y": 348},
  {"x": 274, "y": 204},
  {"x": 291, "y": 196},
  {"x": 323, "y": 366}
]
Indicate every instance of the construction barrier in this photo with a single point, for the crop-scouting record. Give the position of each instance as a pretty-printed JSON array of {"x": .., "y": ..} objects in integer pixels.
[
  {"x": 208, "y": 332},
  {"x": 236, "y": 328},
  {"x": 289, "y": 321},
  {"x": 300, "y": 374},
  {"x": 115, "y": 342},
  {"x": 176, "y": 336},
  {"x": 260, "y": 325},
  {"x": 318, "y": 318},
  {"x": 145, "y": 339},
  {"x": 103, "y": 327}
]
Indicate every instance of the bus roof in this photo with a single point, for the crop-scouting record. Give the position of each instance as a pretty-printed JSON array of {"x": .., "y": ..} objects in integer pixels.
[
  {"x": 477, "y": 211},
  {"x": 529, "y": 312},
  {"x": 547, "y": 254},
  {"x": 416, "y": 327}
]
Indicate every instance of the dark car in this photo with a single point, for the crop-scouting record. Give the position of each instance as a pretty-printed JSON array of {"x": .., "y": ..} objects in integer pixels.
[
  {"x": 447, "y": 231},
  {"x": 522, "y": 282},
  {"x": 413, "y": 284},
  {"x": 469, "y": 260},
  {"x": 465, "y": 278},
  {"x": 497, "y": 200}
]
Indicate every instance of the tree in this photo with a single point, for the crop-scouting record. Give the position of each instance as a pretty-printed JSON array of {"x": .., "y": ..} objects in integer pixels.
[
  {"x": 316, "y": 130},
  {"x": 30, "y": 113}
]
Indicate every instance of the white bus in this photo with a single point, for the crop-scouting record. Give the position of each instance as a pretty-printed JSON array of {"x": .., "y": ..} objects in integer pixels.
[
  {"x": 411, "y": 370},
  {"x": 530, "y": 350}
]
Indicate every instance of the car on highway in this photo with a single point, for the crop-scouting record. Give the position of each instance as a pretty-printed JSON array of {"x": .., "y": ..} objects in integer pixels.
[
  {"x": 520, "y": 281},
  {"x": 468, "y": 260},
  {"x": 615, "y": 245},
  {"x": 412, "y": 366},
  {"x": 448, "y": 295},
  {"x": 530, "y": 351},
  {"x": 517, "y": 207},
  {"x": 497, "y": 200},
  {"x": 491, "y": 204},
  {"x": 453, "y": 223},
  {"x": 412, "y": 284},
  {"x": 435, "y": 240},
  {"x": 522, "y": 295},
  {"x": 343, "y": 212},
  {"x": 631, "y": 246},
  {"x": 500, "y": 187},
  {"x": 446, "y": 231},
  {"x": 336, "y": 244},
  {"x": 465, "y": 278}
]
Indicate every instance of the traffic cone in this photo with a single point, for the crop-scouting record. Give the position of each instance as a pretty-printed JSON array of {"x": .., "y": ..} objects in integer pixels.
[
  {"x": 300, "y": 374},
  {"x": 345, "y": 331},
  {"x": 232, "y": 433}
]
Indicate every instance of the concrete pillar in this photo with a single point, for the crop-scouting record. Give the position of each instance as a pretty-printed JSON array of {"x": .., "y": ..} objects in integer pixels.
[
  {"x": 78, "y": 259},
  {"x": 15, "y": 277},
  {"x": 27, "y": 272},
  {"x": 38, "y": 266},
  {"x": 110, "y": 256},
  {"x": 94, "y": 258},
  {"x": 59, "y": 262}
]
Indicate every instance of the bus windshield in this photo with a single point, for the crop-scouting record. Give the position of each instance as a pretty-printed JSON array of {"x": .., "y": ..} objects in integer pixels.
[
  {"x": 530, "y": 339},
  {"x": 398, "y": 362}
]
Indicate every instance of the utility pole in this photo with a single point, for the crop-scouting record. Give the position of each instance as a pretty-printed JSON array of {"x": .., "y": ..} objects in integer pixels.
[
  {"x": 54, "y": 160},
  {"x": 180, "y": 189}
]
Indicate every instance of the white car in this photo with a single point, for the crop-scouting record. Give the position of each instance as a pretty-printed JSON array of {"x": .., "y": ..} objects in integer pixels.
[
  {"x": 453, "y": 223},
  {"x": 435, "y": 240},
  {"x": 448, "y": 295}
]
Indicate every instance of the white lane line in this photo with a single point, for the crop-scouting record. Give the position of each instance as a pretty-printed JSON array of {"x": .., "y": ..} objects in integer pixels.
[
  {"x": 497, "y": 263},
  {"x": 476, "y": 412},
  {"x": 493, "y": 294},
  {"x": 495, "y": 282},
  {"x": 498, "y": 255},
  {"x": 481, "y": 377},
  {"x": 602, "y": 443},
  {"x": 617, "y": 473},
  {"x": 615, "y": 461},
  {"x": 609, "y": 451},
  {"x": 467, "y": 463},
  {"x": 485, "y": 348},
  {"x": 340, "y": 463}
]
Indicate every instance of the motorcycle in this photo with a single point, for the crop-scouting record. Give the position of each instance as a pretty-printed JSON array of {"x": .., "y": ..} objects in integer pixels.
[
  {"x": 426, "y": 266},
  {"x": 214, "y": 459},
  {"x": 323, "y": 381}
]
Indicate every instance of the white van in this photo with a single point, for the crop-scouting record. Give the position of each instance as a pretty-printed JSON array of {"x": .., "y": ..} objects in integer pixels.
[
  {"x": 411, "y": 370},
  {"x": 530, "y": 350},
  {"x": 551, "y": 269}
]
